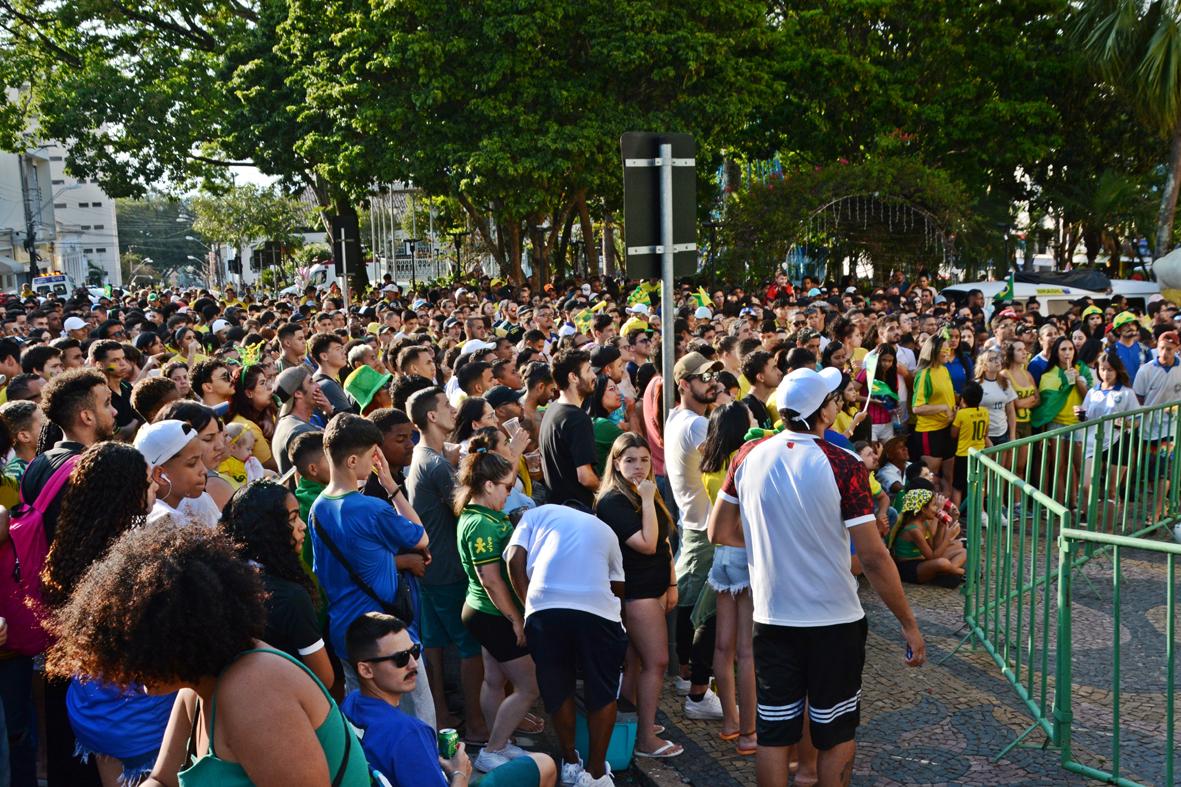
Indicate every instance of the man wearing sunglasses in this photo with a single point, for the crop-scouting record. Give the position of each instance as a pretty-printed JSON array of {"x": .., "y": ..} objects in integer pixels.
[
  {"x": 684, "y": 434},
  {"x": 401, "y": 747}
]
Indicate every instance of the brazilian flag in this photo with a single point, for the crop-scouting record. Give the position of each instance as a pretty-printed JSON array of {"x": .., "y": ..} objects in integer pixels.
[{"x": 1006, "y": 294}]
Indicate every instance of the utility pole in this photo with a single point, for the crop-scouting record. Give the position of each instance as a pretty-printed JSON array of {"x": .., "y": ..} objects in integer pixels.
[{"x": 344, "y": 266}]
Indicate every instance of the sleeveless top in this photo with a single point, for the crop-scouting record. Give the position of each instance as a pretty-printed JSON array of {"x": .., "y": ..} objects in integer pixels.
[{"x": 342, "y": 751}]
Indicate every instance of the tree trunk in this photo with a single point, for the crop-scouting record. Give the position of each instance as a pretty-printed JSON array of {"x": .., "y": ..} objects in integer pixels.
[
  {"x": 1168, "y": 200},
  {"x": 484, "y": 228},
  {"x": 588, "y": 235},
  {"x": 609, "y": 244},
  {"x": 516, "y": 276},
  {"x": 345, "y": 223},
  {"x": 563, "y": 251}
]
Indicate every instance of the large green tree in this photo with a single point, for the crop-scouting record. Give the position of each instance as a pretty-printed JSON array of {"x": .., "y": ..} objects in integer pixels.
[
  {"x": 161, "y": 94},
  {"x": 516, "y": 108},
  {"x": 159, "y": 228},
  {"x": 1136, "y": 47}
]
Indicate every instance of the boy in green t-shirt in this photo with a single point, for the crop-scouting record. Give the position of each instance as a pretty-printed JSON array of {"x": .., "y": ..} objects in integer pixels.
[{"x": 969, "y": 430}]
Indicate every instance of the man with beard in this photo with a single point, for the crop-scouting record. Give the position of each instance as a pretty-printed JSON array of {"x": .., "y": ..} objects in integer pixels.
[
  {"x": 567, "y": 436},
  {"x": 684, "y": 434}
]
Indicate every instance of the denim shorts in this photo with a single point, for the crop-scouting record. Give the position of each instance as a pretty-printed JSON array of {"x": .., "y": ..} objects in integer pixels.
[{"x": 730, "y": 572}]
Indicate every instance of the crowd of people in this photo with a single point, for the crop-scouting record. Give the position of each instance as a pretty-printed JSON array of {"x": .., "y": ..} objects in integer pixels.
[{"x": 252, "y": 539}]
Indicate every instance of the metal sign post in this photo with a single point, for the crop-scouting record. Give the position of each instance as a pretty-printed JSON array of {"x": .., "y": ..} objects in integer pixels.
[
  {"x": 660, "y": 224},
  {"x": 668, "y": 338},
  {"x": 344, "y": 276}
]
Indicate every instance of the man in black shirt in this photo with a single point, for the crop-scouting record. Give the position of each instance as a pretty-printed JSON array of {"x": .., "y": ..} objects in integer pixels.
[
  {"x": 108, "y": 357},
  {"x": 763, "y": 374},
  {"x": 567, "y": 437}
]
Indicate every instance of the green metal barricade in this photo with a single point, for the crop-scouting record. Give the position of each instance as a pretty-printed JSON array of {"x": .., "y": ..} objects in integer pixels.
[
  {"x": 1071, "y": 542},
  {"x": 1114, "y": 475}
]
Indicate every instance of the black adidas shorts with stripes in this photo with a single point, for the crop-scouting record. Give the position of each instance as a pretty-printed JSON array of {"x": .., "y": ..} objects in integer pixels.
[{"x": 820, "y": 665}]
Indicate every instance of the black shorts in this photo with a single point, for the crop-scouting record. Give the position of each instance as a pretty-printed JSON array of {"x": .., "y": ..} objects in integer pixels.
[
  {"x": 821, "y": 665},
  {"x": 959, "y": 475},
  {"x": 908, "y": 570},
  {"x": 937, "y": 444},
  {"x": 494, "y": 633},
  {"x": 566, "y": 642}
]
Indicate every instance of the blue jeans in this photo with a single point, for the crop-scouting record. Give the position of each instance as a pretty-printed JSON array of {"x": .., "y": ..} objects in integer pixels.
[{"x": 19, "y": 723}]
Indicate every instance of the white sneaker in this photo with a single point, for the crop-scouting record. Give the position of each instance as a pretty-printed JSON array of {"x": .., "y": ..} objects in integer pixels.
[
  {"x": 709, "y": 708},
  {"x": 571, "y": 771},
  {"x": 682, "y": 685},
  {"x": 513, "y": 751},
  {"x": 488, "y": 760},
  {"x": 586, "y": 780}
]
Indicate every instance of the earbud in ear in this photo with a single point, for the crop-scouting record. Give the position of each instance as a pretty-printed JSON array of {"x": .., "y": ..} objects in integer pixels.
[{"x": 165, "y": 477}]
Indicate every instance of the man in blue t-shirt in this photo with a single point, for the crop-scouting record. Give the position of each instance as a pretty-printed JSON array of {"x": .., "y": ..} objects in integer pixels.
[
  {"x": 367, "y": 532},
  {"x": 402, "y": 748}
]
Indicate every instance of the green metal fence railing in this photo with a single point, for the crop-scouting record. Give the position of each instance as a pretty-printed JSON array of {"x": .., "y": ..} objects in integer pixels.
[
  {"x": 1069, "y": 543},
  {"x": 1115, "y": 475}
]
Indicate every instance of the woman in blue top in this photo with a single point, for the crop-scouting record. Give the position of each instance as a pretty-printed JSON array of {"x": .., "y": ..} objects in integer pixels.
[
  {"x": 246, "y": 714},
  {"x": 960, "y": 365}
]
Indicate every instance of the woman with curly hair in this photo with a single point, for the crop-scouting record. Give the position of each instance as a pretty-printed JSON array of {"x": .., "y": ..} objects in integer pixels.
[
  {"x": 263, "y": 519},
  {"x": 120, "y": 728},
  {"x": 253, "y": 406},
  {"x": 249, "y": 714}
]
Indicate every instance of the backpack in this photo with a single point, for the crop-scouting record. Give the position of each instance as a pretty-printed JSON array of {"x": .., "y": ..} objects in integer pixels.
[{"x": 22, "y": 557}]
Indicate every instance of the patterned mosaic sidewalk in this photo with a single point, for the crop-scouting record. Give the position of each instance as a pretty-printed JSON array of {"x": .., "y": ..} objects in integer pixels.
[{"x": 943, "y": 724}]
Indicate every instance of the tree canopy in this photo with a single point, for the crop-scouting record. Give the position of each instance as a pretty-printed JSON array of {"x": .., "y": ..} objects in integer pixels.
[{"x": 512, "y": 112}]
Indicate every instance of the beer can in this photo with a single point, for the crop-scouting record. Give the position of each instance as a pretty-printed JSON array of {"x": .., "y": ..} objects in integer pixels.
[{"x": 448, "y": 743}]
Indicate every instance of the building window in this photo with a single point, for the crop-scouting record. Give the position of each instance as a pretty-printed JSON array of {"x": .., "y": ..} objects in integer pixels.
[
  {"x": 55, "y": 158},
  {"x": 101, "y": 251},
  {"x": 59, "y": 205},
  {"x": 96, "y": 204},
  {"x": 100, "y": 226},
  {"x": 84, "y": 227},
  {"x": 88, "y": 251},
  {"x": 83, "y": 204},
  {"x": 58, "y": 182}
]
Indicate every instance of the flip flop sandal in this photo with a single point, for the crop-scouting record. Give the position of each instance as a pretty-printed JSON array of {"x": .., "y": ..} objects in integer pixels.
[
  {"x": 669, "y": 749},
  {"x": 729, "y": 736},
  {"x": 747, "y": 752},
  {"x": 657, "y": 729}
]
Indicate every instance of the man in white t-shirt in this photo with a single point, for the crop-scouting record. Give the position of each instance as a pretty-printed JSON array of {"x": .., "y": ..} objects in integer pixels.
[
  {"x": 684, "y": 434},
  {"x": 568, "y": 567},
  {"x": 794, "y": 500},
  {"x": 1158, "y": 382}
]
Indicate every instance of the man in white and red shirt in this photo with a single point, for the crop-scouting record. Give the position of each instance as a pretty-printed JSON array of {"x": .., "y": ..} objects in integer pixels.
[{"x": 794, "y": 500}]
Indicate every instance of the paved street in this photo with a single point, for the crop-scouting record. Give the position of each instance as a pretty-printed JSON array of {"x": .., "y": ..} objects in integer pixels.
[{"x": 943, "y": 724}]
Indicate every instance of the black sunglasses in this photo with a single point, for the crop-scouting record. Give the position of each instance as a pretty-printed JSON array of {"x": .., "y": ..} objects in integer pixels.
[{"x": 401, "y": 658}]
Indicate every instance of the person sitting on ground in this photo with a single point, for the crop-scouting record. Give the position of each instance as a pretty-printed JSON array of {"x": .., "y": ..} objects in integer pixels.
[
  {"x": 402, "y": 748},
  {"x": 923, "y": 543}
]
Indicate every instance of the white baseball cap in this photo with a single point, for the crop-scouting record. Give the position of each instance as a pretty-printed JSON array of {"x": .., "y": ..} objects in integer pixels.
[
  {"x": 475, "y": 345},
  {"x": 703, "y": 313},
  {"x": 74, "y": 324},
  {"x": 163, "y": 440},
  {"x": 640, "y": 308},
  {"x": 220, "y": 325},
  {"x": 803, "y": 390}
]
